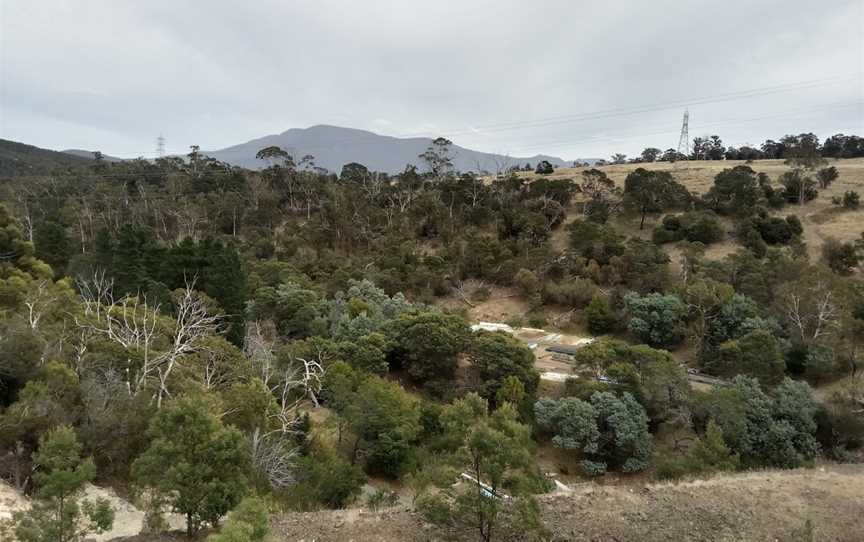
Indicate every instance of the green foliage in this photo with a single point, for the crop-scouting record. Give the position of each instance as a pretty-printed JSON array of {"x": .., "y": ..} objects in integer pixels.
[
  {"x": 544, "y": 168},
  {"x": 826, "y": 176},
  {"x": 498, "y": 355},
  {"x": 198, "y": 465},
  {"x": 594, "y": 241},
  {"x": 694, "y": 226},
  {"x": 249, "y": 522},
  {"x": 368, "y": 353},
  {"x": 325, "y": 479},
  {"x": 776, "y": 429},
  {"x": 647, "y": 192},
  {"x": 527, "y": 281},
  {"x": 842, "y": 258},
  {"x": 736, "y": 191},
  {"x": 757, "y": 354},
  {"x": 138, "y": 264},
  {"x": 494, "y": 449},
  {"x": 296, "y": 310},
  {"x": 707, "y": 455},
  {"x": 426, "y": 343},
  {"x": 599, "y": 315},
  {"x": 385, "y": 421},
  {"x": 609, "y": 431},
  {"x": 851, "y": 199},
  {"x": 710, "y": 452},
  {"x": 576, "y": 292},
  {"x": 56, "y": 514},
  {"x": 53, "y": 246},
  {"x": 737, "y": 316},
  {"x": 652, "y": 376},
  {"x": 798, "y": 187},
  {"x": 655, "y": 318}
]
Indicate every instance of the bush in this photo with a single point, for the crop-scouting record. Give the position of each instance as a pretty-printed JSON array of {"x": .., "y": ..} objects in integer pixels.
[
  {"x": 434, "y": 509},
  {"x": 775, "y": 230},
  {"x": 656, "y": 319},
  {"x": 695, "y": 226},
  {"x": 851, "y": 199},
  {"x": 249, "y": 522},
  {"x": 670, "y": 467},
  {"x": 544, "y": 168},
  {"x": 527, "y": 281},
  {"x": 842, "y": 258},
  {"x": 576, "y": 292},
  {"x": 599, "y": 315},
  {"x": 382, "y": 498},
  {"x": 326, "y": 480}
]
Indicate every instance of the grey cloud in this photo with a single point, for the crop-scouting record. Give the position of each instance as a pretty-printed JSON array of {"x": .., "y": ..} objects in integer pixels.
[{"x": 113, "y": 75}]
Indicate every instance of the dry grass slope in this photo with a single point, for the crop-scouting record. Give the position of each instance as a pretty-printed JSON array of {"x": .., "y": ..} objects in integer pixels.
[
  {"x": 754, "y": 506},
  {"x": 820, "y": 218}
]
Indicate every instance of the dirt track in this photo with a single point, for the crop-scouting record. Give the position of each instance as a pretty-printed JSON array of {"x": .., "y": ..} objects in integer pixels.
[{"x": 755, "y": 506}]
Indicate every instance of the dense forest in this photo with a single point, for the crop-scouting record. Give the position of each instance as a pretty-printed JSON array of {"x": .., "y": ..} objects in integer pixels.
[{"x": 224, "y": 343}]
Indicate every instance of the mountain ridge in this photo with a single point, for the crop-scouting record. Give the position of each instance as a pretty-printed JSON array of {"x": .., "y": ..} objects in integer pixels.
[{"x": 334, "y": 146}]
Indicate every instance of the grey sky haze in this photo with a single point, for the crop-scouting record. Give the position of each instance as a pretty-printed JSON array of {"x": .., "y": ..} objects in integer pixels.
[{"x": 494, "y": 75}]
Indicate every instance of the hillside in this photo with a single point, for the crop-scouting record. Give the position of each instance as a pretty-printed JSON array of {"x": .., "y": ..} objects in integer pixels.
[
  {"x": 761, "y": 505},
  {"x": 334, "y": 146},
  {"x": 22, "y": 159},
  {"x": 820, "y": 218}
]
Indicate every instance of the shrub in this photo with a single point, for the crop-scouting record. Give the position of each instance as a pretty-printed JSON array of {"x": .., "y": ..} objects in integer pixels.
[
  {"x": 826, "y": 176},
  {"x": 841, "y": 257},
  {"x": 326, "y": 480},
  {"x": 249, "y": 522},
  {"x": 851, "y": 199},
  {"x": 774, "y": 230},
  {"x": 576, "y": 292},
  {"x": 655, "y": 318},
  {"x": 381, "y": 498},
  {"x": 599, "y": 315},
  {"x": 527, "y": 281},
  {"x": 544, "y": 168},
  {"x": 694, "y": 226}
]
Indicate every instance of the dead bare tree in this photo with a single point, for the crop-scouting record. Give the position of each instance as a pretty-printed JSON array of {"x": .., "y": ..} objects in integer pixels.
[
  {"x": 811, "y": 310},
  {"x": 37, "y": 300},
  {"x": 259, "y": 350},
  {"x": 136, "y": 325},
  {"x": 274, "y": 456}
]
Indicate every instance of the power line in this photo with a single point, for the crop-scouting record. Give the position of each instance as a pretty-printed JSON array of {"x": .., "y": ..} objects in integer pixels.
[
  {"x": 608, "y": 113},
  {"x": 670, "y": 130}
]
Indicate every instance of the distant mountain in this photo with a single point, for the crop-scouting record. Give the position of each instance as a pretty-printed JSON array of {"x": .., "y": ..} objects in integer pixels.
[
  {"x": 333, "y": 147},
  {"x": 89, "y": 154},
  {"x": 21, "y": 159}
]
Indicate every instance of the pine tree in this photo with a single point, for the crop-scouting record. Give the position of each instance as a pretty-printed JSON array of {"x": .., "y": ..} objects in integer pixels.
[{"x": 56, "y": 515}]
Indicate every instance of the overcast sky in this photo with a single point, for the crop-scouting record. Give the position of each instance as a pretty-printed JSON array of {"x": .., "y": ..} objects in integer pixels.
[{"x": 568, "y": 78}]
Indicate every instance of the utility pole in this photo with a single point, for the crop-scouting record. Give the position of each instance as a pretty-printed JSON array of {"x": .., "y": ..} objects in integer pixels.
[
  {"x": 684, "y": 140},
  {"x": 160, "y": 146}
]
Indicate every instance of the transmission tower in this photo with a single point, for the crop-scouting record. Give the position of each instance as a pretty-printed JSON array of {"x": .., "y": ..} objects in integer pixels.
[
  {"x": 160, "y": 146},
  {"x": 684, "y": 140}
]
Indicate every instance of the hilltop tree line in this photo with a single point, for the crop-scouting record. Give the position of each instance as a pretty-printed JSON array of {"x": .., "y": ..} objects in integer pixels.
[{"x": 712, "y": 148}]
